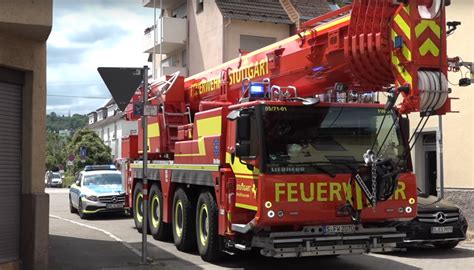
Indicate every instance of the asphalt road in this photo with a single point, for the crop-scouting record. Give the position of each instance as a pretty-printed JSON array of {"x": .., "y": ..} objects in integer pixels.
[{"x": 111, "y": 242}]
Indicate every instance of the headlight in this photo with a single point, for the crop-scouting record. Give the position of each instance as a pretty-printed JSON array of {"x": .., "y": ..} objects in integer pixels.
[{"x": 91, "y": 198}]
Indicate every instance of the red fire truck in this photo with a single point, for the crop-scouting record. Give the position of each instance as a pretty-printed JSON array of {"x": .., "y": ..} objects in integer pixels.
[{"x": 285, "y": 149}]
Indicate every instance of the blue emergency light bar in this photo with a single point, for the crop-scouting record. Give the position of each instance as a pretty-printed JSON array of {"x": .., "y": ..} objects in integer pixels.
[
  {"x": 89, "y": 168},
  {"x": 257, "y": 90}
]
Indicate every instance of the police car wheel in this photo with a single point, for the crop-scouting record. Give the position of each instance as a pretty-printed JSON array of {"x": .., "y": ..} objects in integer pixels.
[
  {"x": 71, "y": 207},
  {"x": 159, "y": 230},
  {"x": 80, "y": 210},
  {"x": 183, "y": 219},
  {"x": 138, "y": 207},
  {"x": 208, "y": 240}
]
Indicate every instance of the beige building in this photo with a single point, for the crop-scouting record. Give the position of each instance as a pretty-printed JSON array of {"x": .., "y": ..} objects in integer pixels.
[
  {"x": 209, "y": 32},
  {"x": 196, "y": 35},
  {"x": 24, "y": 207},
  {"x": 457, "y": 128}
]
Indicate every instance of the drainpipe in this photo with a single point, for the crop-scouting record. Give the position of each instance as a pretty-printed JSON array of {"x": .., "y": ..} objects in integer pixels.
[
  {"x": 439, "y": 150},
  {"x": 229, "y": 20}
]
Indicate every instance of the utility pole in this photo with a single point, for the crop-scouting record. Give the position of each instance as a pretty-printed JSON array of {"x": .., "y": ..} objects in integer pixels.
[{"x": 145, "y": 163}]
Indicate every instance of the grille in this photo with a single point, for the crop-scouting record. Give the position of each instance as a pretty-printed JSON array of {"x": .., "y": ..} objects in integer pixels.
[
  {"x": 439, "y": 217},
  {"x": 110, "y": 199}
]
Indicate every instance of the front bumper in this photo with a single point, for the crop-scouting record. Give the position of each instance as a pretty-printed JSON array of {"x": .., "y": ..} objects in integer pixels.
[
  {"x": 312, "y": 242},
  {"x": 420, "y": 232},
  {"x": 92, "y": 207}
]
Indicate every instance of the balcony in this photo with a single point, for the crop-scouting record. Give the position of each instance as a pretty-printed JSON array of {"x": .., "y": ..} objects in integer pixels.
[
  {"x": 167, "y": 4},
  {"x": 175, "y": 33},
  {"x": 171, "y": 70}
]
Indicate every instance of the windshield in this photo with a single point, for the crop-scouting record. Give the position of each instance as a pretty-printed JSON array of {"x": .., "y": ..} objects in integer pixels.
[
  {"x": 299, "y": 138},
  {"x": 56, "y": 175},
  {"x": 102, "y": 179}
]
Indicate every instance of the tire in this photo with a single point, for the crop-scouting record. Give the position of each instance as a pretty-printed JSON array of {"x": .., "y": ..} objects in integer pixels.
[
  {"x": 208, "y": 240},
  {"x": 158, "y": 229},
  {"x": 138, "y": 207},
  {"x": 72, "y": 210},
  {"x": 82, "y": 215},
  {"x": 184, "y": 234},
  {"x": 446, "y": 245}
]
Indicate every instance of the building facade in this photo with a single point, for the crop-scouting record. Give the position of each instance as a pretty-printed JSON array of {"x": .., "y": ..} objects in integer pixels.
[
  {"x": 111, "y": 126},
  {"x": 215, "y": 30},
  {"x": 24, "y": 206},
  {"x": 195, "y": 35}
]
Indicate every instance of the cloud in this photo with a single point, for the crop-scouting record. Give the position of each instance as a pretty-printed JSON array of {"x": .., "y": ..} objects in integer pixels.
[
  {"x": 99, "y": 33},
  {"x": 88, "y": 35},
  {"x": 60, "y": 55}
]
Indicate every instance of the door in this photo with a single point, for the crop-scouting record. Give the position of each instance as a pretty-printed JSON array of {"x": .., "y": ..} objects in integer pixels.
[
  {"x": 10, "y": 170},
  {"x": 431, "y": 172}
]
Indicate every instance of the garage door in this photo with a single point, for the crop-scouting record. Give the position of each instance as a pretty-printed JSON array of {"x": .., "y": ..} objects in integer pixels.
[{"x": 10, "y": 170}]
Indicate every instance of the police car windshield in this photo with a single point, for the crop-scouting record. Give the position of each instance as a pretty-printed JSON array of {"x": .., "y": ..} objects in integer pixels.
[
  {"x": 102, "y": 179},
  {"x": 297, "y": 137}
]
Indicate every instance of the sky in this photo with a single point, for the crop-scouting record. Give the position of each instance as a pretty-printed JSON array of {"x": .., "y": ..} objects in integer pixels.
[{"x": 88, "y": 34}]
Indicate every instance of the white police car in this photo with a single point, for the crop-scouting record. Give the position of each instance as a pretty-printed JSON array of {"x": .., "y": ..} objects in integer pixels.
[{"x": 97, "y": 188}]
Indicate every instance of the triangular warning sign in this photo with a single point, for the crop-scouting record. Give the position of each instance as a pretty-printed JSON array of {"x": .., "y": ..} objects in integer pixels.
[{"x": 122, "y": 83}]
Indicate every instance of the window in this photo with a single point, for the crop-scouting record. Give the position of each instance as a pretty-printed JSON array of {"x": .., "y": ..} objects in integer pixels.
[
  {"x": 252, "y": 43},
  {"x": 183, "y": 58},
  {"x": 199, "y": 6},
  {"x": 179, "y": 12}
]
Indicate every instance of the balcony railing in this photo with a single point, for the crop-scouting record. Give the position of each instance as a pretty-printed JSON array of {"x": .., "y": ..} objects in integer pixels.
[
  {"x": 175, "y": 34},
  {"x": 166, "y": 3}
]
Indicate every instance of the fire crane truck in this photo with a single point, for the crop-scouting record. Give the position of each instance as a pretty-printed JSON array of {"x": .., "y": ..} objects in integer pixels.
[{"x": 280, "y": 150}]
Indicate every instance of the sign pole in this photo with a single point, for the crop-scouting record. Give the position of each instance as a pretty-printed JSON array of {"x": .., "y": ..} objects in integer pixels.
[{"x": 145, "y": 161}]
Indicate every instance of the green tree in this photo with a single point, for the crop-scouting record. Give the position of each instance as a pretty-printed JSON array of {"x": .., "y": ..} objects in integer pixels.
[
  {"x": 97, "y": 151},
  {"x": 55, "y": 150}
]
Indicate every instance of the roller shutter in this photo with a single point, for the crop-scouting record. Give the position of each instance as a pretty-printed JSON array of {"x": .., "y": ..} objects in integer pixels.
[{"x": 10, "y": 170}]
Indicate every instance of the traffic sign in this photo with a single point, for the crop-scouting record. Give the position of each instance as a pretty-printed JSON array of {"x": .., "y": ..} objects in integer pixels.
[
  {"x": 122, "y": 83},
  {"x": 71, "y": 157}
]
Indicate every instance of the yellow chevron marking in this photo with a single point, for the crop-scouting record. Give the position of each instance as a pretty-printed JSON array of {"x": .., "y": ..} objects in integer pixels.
[
  {"x": 407, "y": 9},
  {"x": 401, "y": 70},
  {"x": 429, "y": 46},
  {"x": 405, "y": 51},
  {"x": 421, "y": 27},
  {"x": 403, "y": 25}
]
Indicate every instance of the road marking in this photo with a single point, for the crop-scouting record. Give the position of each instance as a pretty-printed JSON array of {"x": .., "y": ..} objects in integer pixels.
[{"x": 111, "y": 235}]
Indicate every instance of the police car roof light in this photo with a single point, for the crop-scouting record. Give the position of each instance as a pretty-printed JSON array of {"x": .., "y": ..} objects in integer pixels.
[{"x": 89, "y": 168}]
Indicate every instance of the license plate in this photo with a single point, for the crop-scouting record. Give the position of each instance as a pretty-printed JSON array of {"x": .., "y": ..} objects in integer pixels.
[
  {"x": 340, "y": 228},
  {"x": 441, "y": 230},
  {"x": 114, "y": 205}
]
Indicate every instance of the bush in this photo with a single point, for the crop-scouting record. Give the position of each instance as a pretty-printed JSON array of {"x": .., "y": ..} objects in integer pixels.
[{"x": 68, "y": 180}]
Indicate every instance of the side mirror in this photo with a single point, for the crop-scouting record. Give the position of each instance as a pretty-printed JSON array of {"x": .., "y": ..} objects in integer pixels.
[
  {"x": 405, "y": 127},
  {"x": 242, "y": 150},
  {"x": 78, "y": 183},
  {"x": 243, "y": 128}
]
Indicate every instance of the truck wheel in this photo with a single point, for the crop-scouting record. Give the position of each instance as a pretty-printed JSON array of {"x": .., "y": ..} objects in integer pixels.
[
  {"x": 446, "y": 245},
  {"x": 183, "y": 221},
  {"x": 138, "y": 207},
  {"x": 206, "y": 228},
  {"x": 71, "y": 207},
  {"x": 80, "y": 210},
  {"x": 159, "y": 229}
]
